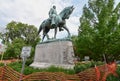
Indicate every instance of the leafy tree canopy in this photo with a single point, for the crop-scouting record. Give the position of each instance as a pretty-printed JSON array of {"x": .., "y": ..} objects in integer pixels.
[
  {"x": 99, "y": 31},
  {"x": 18, "y": 35}
]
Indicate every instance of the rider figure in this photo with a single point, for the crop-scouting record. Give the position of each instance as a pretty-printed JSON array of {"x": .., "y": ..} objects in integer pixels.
[{"x": 52, "y": 15}]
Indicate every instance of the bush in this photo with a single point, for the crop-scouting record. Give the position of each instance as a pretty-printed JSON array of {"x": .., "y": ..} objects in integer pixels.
[
  {"x": 29, "y": 61},
  {"x": 1, "y": 64},
  {"x": 118, "y": 70},
  {"x": 29, "y": 70},
  {"x": 83, "y": 66},
  {"x": 112, "y": 78},
  {"x": 16, "y": 66}
]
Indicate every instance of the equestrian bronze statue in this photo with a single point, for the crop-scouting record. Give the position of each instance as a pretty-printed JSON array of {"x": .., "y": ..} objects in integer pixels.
[{"x": 56, "y": 21}]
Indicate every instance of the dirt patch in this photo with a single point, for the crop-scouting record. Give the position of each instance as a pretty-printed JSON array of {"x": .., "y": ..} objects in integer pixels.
[{"x": 9, "y": 61}]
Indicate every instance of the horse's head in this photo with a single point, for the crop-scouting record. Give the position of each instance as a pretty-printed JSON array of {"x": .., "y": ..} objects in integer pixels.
[{"x": 66, "y": 12}]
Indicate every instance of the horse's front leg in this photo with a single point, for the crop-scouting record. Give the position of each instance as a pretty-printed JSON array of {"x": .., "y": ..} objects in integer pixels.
[
  {"x": 55, "y": 33},
  {"x": 65, "y": 27}
]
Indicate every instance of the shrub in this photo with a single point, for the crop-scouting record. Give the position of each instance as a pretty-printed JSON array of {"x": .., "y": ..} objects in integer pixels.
[
  {"x": 28, "y": 70},
  {"x": 83, "y": 66},
  {"x": 112, "y": 78},
  {"x": 118, "y": 70},
  {"x": 29, "y": 61},
  {"x": 1, "y": 64}
]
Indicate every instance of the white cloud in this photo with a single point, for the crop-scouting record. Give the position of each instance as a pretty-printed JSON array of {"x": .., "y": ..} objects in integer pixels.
[{"x": 35, "y": 11}]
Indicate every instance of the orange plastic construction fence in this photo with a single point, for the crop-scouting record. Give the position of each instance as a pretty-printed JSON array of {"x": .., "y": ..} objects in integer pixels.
[{"x": 98, "y": 73}]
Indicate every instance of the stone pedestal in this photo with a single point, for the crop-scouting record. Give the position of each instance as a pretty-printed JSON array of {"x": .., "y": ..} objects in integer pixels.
[{"x": 56, "y": 53}]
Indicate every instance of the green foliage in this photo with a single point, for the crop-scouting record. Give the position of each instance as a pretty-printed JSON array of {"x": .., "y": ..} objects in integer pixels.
[
  {"x": 26, "y": 32},
  {"x": 118, "y": 70},
  {"x": 113, "y": 78},
  {"x": 29, "y": 61},
  {"x": 83, "y": 66},
  {"x": 99, "y": 31},
  {"x": 18, "y": 35},
  {"x": 14, "y": 49},
  {"x": 28, "y": 70},
  {"x": 1, "y": 64},
  {"x": 16, "y": 66}
]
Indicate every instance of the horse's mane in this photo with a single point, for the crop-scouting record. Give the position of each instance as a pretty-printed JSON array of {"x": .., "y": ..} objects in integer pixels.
[{"x": 64, "y": 10}]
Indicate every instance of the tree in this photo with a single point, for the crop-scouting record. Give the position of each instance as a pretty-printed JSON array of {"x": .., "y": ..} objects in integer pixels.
[
  {"x": 14, "y": 49},
  {"x": 99, "y": 31},
  {"x": 18, "y": 35},
  {"x": 24, "y": 31}
]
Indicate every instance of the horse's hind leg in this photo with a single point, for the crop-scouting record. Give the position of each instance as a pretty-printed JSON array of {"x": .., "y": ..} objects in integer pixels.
[
  {"x": 43, "y": 38},
  {"x": 45, "y": 31}
]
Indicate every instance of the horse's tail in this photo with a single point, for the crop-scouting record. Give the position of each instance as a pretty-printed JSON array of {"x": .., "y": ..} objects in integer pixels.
[{"x": 40, "y": 29}]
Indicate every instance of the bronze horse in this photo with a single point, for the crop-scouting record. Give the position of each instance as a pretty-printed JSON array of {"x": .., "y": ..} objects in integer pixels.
[{"x": 60, "y": 21}]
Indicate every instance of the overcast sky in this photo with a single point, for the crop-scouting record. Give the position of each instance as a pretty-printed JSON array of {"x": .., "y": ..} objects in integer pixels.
[{"x": 35, "y": 11}]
